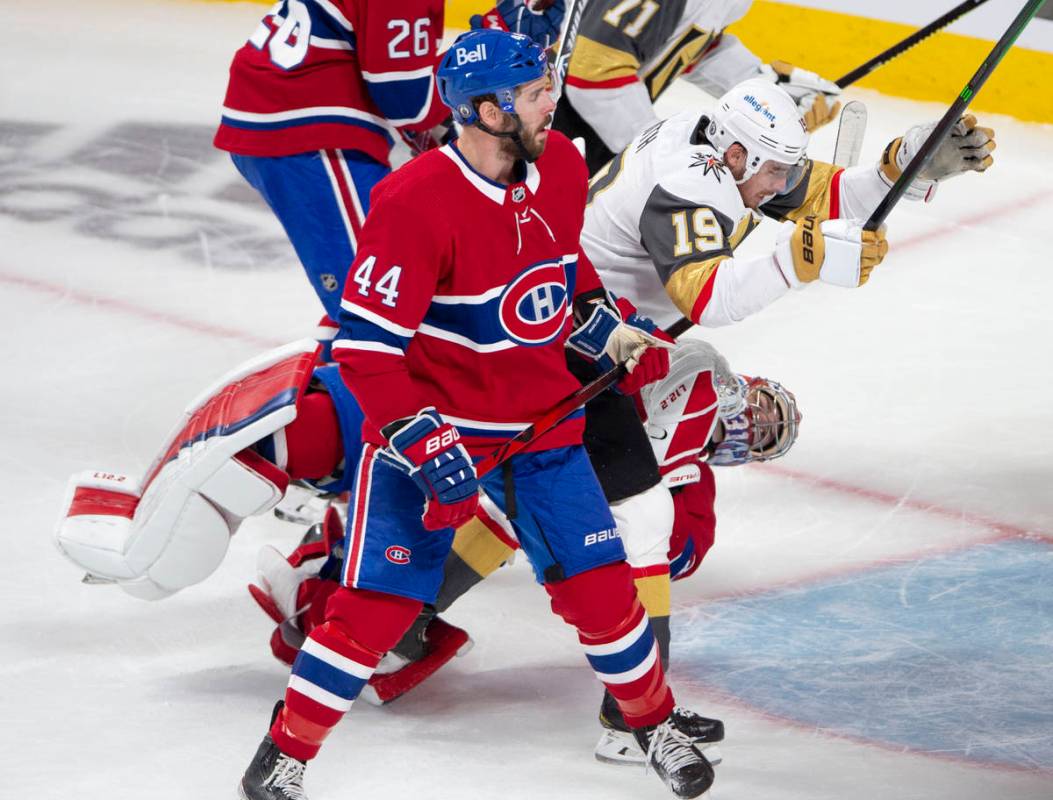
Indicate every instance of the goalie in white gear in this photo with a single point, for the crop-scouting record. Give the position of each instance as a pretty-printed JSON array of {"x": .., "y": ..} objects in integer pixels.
[
  {"x": 628, "y": 53},
  {"x": 666, "y": 215}
]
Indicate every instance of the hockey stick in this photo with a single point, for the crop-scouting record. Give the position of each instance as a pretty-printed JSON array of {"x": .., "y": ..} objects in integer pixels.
[
  {"x": 567, "y": 37},
  {"x": 901, "y": 47},
  {"x": 954, "y": 113},
  {"x": 563, "y": 409},
  {"x": 850, "y": 132}
]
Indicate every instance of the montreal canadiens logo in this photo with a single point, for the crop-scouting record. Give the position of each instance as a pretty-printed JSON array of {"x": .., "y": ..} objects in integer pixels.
[
  {"x": 397, "y": 554},
  {"x": 533, "y": 307}
]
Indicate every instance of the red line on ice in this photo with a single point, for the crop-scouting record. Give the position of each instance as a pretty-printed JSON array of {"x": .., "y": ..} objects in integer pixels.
[{"x": 135, "y": 310}]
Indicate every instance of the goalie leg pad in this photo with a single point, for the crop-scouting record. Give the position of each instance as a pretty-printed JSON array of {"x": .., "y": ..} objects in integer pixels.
[
  {"x": 175, "y": 530},
  {"x": 645, "y": 523}
]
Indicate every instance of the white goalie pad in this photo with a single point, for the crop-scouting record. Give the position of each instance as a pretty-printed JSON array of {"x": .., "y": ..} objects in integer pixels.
[
  {"x": 645, "y": 524},
  {"x": 173, "y": 530}
]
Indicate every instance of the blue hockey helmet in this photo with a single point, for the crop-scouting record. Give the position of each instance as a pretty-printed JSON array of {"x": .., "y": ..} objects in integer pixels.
[{"x": 486, "y": 61}]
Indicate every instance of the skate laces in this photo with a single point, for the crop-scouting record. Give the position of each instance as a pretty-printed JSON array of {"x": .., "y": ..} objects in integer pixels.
[
  {"x": 671, "y": 747},
  {"x": 287, "y": 776}
]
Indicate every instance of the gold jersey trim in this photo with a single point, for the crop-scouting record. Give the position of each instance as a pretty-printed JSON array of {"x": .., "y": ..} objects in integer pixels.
[
  {"x": 686, "y": 284},
  {"x": 817, "y": 195},
  {"x": 595, "y": 62},
  {"x": 684, "y": 52}
]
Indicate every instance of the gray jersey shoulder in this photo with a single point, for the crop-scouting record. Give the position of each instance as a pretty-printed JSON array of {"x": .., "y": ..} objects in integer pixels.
[{"x": 642, "y": 29}]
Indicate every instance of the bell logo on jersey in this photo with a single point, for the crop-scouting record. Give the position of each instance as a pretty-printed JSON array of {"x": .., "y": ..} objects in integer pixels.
[
  {"x": 533, "y": 306},
  {"x": 397, "y": 554},
  {"x": 471, "y": 56}
]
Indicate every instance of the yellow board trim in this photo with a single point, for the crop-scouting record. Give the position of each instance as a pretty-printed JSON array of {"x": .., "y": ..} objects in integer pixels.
[{"x": 832, "y": 43}]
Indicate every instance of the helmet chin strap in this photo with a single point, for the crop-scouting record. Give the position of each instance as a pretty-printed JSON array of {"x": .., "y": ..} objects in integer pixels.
[{"x": 516, "y": 135}]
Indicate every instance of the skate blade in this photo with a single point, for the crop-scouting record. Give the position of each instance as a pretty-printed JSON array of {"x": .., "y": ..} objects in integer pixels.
[
  {"x": 612, "y": 749},
  {"x": 619, "y": 748},
  {"x": 712, "y": 754}
]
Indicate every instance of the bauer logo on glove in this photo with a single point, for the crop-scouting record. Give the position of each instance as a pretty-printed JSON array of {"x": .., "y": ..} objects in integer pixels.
[{"x": 836, "y": 251}]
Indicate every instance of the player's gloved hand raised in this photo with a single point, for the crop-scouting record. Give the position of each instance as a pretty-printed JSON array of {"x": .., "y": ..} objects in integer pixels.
[
  {"x": 429, "y": 450},
  {"x": 541, "y": 20},
  {"x": 968, "y": 148},
  {"x": 814, "y": 95},
  {"x": 635, "y": 341},
  {"x": 836, "y": 251},
  {"x": 423, "y": 141}
]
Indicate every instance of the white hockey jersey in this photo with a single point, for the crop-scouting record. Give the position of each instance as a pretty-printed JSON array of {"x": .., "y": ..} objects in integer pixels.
[
  {"x": 628, "y": 53},
  {"x": 665, "y": 216}
]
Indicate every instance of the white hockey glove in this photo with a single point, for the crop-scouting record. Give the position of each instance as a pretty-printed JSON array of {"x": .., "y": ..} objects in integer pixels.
[
  {"x": 836, "y": 251},
  {"x": 814, "y": 95},
  {"x": 608, "y": 340},
  {"x": 967, "y": 149}
]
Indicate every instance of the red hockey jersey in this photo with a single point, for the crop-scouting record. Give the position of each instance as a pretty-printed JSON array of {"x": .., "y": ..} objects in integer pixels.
[
  {"x": 461, "y": 296},
  {"x": 334, "y": 74}
]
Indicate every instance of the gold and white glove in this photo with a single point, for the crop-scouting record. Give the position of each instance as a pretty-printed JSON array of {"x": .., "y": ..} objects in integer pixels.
[
  {"x": 968, "y": 148},
  {"x": 837, "y": 251},
  {"x": 814, "y": 95}
]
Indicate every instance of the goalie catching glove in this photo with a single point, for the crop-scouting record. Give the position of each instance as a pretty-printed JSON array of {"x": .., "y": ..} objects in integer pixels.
[
  {"x": 968, "y": 148},
  {"x": 429, "y": 450},
  {"x": 635, "y": 342},
  {"x": 812, "y": 93},
  {"x": 836, "y": 251}
]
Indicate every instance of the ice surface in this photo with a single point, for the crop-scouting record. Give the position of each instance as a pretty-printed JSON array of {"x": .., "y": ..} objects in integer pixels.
[{"x": 874, "y": 621}]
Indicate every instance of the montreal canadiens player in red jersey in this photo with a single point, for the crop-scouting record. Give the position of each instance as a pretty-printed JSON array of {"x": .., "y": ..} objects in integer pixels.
[
  {"x": 449, "y": 313},
  {"x": 700, "y": 415},
  {"x": 312, "y": 99}
]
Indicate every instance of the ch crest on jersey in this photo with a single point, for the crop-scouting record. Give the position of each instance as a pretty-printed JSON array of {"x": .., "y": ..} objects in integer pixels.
[
  {"x": 710, "y": 165},
  {"x": 533, "y": 307}
]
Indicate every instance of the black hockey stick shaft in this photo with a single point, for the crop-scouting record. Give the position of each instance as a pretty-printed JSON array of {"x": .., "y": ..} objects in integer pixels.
[
  {"x": 954, "y": 113},
  {"x": 567, "y": 37},
  {"x": 901, "y": 47},
  {"x": 563, "y": 409}
]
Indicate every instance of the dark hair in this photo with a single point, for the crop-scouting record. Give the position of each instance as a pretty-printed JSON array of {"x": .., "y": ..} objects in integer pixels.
[{"x": 484, "y": 98}]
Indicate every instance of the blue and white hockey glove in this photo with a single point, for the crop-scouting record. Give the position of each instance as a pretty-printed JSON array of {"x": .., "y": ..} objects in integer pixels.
[
  {"x": 635, "y": 341},
  {"x": 541, "y": 20},
  {"x": 429, "y": 450}
]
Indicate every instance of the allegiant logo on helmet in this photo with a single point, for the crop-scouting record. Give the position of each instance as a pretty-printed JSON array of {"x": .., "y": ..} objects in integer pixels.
[
  {"x": 533, "y": 307},
  {"x": 759, "y": 106}
]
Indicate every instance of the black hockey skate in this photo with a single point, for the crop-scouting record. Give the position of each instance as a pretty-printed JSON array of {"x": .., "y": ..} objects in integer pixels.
[
  {"x": 617, "y": 745},
  {"x": 272, "y": 775},
  {"x": 673, "y": 755}
]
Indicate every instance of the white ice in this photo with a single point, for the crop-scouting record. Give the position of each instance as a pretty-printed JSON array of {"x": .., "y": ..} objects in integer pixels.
[{"x": 927, "y": 388}]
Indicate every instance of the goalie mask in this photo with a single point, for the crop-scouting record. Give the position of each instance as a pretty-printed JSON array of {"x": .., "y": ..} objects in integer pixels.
[
  {"x": 765, "y": 429},
  {"x": 759, "y": 418}
]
